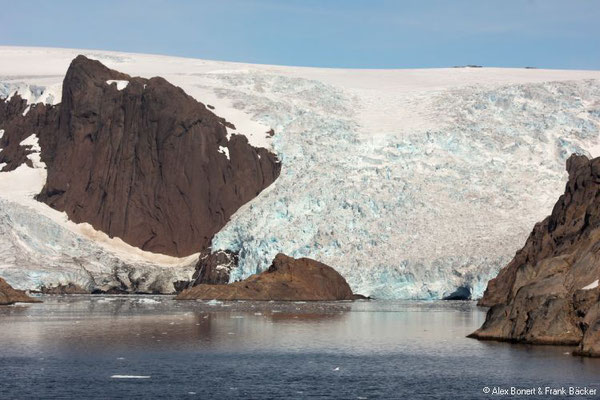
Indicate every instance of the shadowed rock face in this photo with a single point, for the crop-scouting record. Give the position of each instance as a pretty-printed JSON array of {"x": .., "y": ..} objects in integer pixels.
[
  {"x": 142, "y": 163},
  {"x": 8, "y": 295},
  {"x": 40, "y": 119},
  {"x": 549, "y": 293},
  {"x": 214, "y": 268},
  {"x": 287, "y": 279}
]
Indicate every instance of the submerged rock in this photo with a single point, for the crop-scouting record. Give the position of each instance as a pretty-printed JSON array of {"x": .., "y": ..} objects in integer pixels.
[
  {"x": 548, "y": 293},
  {"x": 286, "y": 279},
  {"x": 8, "y": 295}
]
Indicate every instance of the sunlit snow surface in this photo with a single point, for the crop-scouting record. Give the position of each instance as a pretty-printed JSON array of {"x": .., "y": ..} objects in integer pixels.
[{"x": 410, "y": 183}]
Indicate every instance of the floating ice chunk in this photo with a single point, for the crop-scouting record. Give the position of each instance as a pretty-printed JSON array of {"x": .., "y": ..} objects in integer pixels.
[
  {"x": 225, "y": 151},
  {"x": 336, "y": 369},
  {"x": 214, "y": 302},
  {"x": 120, "y": 84},
  {"x": 592, "y": 285},
  {"x": 130, "y": 376},
  {"x": 148, "y": 301}
]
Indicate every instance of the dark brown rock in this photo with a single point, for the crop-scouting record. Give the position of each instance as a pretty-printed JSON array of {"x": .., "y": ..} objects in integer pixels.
[
  {"x": 142, "y": 163},
  {"x": 8, "y": 295},
  {"x": 548, "y": 293},
  {"x": 18, "y": 127},
  {"x": 70, "y": 288},
  {"x": 287, "y": 279},
  {"x": 214, "y": 268}
]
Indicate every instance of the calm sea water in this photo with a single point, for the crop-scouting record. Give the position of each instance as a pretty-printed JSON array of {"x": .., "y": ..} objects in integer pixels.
[{"x": 146, "y": 347}]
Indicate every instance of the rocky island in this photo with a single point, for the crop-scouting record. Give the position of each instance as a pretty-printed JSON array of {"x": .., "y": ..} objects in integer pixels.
[
  {"x": 549, "y": 292},
  {"x": 9, "y": 295},
  {"x": 287, "y": 279}
]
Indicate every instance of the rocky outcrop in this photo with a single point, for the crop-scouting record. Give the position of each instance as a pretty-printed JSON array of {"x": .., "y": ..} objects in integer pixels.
[
  {"x": 8, "y": 295},
  {"x": 549, "y": 293},
  {"x": 214, "y": 268},
  {"x": 137, "y": 158},
  {"x": 69, "y": 288},
  {"x": 286, "y": 279}
]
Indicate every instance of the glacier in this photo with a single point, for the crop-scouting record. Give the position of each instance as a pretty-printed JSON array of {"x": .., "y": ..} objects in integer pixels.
[
  {"x": 410, "y": 214},
  {"x": 410, "y": 183}
]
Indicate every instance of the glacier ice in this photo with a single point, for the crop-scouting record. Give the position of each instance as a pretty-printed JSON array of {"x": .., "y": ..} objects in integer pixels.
[
  {"x": 410, "y": 183},
  {"x": 36, "y": 251},
  {"x": 407, "y": 213}
]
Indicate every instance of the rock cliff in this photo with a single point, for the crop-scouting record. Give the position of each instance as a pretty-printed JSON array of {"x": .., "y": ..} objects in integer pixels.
[
  {"x": 8, "y": 295},
  {"x": 549, "y": 293},
  {"x": 287, "y": 279},
  {"x": 137, "y": 158}
]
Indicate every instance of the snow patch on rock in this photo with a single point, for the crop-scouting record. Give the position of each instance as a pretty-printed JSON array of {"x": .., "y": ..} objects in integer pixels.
[
  {"x": 225, "y": 151},
  {"x": 121, "y": 84},
  {"x": 591, "y": 286}
]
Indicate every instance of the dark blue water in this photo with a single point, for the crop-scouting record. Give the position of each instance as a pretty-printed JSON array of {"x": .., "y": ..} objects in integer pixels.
[{"x": 74, "y": 347}]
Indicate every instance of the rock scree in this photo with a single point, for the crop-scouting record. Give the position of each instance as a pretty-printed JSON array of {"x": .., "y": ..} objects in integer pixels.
[
  {"x": 549, "y": 293},
  {"x": 9, "y": 296},
  {"x": 287, "y": 279}
]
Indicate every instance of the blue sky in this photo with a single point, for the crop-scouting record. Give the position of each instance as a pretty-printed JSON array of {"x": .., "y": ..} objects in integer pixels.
[{"x": 325, "y": 33}]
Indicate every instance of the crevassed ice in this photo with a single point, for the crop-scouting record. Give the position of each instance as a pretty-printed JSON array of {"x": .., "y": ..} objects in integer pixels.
[
  {"x": 33, "y": 94},
  {"x": 407, "y": 213},
  {"x": 36, "y": 251}
]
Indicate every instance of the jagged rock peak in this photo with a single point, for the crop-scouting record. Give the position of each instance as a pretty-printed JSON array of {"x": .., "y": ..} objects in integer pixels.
[{"x": 138, "y": 159}]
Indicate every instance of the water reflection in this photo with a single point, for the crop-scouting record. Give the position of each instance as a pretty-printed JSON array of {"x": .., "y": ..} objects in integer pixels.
[{"x": 369, "y": 348}]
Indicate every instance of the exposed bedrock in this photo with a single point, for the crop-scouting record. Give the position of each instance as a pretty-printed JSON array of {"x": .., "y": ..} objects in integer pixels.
[
  {"x": 214, "y": 268},
  {"x": 137, "y": 158},
  {"x": 548, "y": 293},
  {"x": 287, "y": 279},
  {"x": 8, "y": 295}
]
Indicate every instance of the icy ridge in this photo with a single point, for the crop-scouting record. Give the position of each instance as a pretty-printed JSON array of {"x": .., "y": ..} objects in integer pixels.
[
  {"x": 407, "y": 213},
  {"x": 36, "y": 251}
]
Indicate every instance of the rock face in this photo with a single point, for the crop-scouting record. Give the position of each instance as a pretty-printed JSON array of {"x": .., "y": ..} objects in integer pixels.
[
  {"x": 287, "y": 279},
  {"x": 69, "y": 288},
  {"x": 8, "y": 295},
  {"x": 549, "y": 293},
  {"x": 214, "y": 268},
  {"x": 137, "y": 159}
]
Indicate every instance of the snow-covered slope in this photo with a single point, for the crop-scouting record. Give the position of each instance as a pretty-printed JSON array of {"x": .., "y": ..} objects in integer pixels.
[{"x": 410, "y": 183}]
